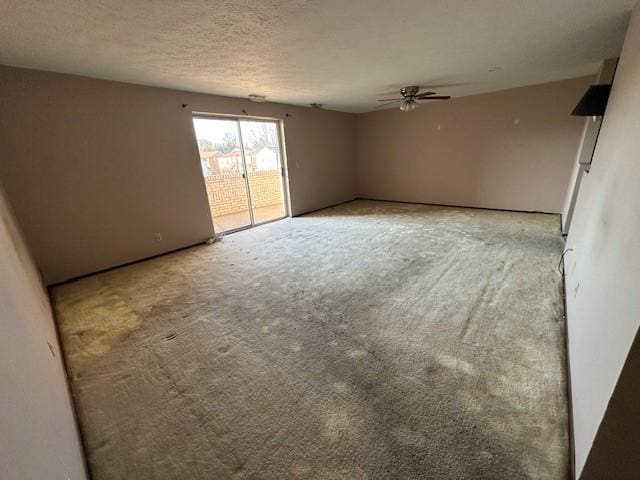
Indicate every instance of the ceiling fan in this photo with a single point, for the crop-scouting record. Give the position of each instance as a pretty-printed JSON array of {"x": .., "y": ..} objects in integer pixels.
[{"x": 410, "y": 97}]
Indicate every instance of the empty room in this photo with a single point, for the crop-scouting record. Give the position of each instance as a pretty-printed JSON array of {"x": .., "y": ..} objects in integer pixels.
[{"x": 320, "y": 240}]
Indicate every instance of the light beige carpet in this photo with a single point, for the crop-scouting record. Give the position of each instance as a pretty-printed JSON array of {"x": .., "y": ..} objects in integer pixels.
[{"x": 371, "y": 340}]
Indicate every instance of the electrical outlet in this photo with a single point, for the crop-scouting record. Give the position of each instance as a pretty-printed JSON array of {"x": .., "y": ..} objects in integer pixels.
[{"x": 157, "y": 236}]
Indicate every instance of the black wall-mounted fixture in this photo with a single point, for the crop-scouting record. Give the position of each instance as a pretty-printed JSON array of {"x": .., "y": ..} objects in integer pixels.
[{"x": 594, "y": 102}]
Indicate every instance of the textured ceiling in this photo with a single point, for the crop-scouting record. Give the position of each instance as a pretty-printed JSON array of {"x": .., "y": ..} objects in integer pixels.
[{"x": 342, "y": 53}]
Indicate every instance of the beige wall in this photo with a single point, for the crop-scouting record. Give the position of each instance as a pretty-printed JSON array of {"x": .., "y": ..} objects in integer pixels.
[
  {"x": 512, "y": 149},
  {"x": 38, "y": 436},
  {"x": 95, "y": 168},
  {"x": 603, "y": 274}
]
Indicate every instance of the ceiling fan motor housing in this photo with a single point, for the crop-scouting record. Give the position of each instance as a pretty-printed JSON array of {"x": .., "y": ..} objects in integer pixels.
[{"x": 409, "y": 91}]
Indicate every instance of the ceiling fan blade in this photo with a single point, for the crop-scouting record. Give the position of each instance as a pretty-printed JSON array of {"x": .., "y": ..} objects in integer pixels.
[
  {"x": 437, "y": 85},
  {"x": 425, "y": 94},
  {"x": 437, "y": 97},
  {"x": 432, "y": 84},
  {"x": 391, "y": 100}
]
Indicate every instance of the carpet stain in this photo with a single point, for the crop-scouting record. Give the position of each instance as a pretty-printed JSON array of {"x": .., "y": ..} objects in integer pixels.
[
  {"x": 101, "y": 319},
  {"x": 456, "y": 364}
]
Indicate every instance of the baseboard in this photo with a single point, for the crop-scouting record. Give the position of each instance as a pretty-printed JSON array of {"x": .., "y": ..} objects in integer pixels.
[
  {"x": 72, "y": 396},
  {"x": 571, "y": 430},
  {"x": 125, "y": 264},
  {"x": 456, "y": 206},
  {"x": 323, "y": 208},
  {"x": 144, "y": 259}
]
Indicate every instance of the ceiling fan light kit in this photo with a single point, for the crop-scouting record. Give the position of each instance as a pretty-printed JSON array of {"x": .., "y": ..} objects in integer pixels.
[{"x": 408, "y": 105}]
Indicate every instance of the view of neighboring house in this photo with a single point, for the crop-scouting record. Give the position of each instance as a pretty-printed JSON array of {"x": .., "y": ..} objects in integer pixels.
[{"x": 216, "y": 163}]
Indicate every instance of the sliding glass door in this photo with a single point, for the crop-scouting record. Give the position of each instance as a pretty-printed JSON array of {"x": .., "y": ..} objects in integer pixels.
[
  {"x": 263, "y": 160},
  {"x": 241, "y": 162}
]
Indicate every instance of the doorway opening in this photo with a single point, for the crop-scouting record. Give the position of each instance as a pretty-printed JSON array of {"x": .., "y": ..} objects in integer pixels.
[{"x": 241, "y": 162}]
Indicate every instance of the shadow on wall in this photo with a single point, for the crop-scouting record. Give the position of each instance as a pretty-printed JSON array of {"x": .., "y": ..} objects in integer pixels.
[{"x": 620, "y": 431}]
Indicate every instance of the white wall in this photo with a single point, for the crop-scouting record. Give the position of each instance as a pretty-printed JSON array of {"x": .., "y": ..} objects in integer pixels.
[
  {"x": 585, "y": 151},
  {"x": 94, "y": 168},
  {"x": 513, "y": 149},
  {"x": 603, "y": 270},
  {"x": 38, "y": 436}
]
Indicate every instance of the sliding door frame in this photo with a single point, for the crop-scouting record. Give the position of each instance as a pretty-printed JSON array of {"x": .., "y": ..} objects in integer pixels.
[
  {"x": 245, "y": 176},
  {"x": 284, "y": 175}
]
